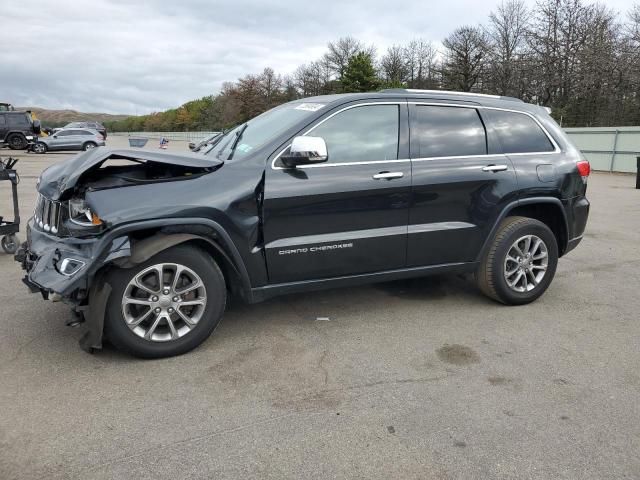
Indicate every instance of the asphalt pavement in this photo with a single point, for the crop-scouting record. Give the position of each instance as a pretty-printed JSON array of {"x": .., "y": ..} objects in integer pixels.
[{"x": 412, "y": 379}]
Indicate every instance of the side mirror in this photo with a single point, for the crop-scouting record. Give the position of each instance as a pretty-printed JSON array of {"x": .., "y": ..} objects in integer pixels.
[{"x": 305, "y": 151}]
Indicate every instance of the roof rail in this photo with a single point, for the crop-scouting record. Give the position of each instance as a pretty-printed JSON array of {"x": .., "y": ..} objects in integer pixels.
[{"x": 446, "y": 92}]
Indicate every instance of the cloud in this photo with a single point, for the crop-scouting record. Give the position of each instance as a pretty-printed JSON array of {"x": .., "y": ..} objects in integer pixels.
[{"x": 117, "y": 57}]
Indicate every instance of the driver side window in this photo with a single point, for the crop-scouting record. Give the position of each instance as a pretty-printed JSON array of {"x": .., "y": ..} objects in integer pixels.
[{"x": 361, "y": 134}]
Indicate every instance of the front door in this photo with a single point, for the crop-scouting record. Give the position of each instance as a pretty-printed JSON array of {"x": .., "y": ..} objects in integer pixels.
[
  {"x": 349, "y": 215},
  {"x": 460, "y": 184},
  {"x": 60, "y": 140}
]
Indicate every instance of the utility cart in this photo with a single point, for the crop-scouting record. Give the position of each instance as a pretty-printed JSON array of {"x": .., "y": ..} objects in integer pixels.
[{"x": 8, "y": 229}]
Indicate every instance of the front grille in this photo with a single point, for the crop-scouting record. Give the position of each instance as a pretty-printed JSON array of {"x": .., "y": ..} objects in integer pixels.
[{"x": 47, "y": 214}]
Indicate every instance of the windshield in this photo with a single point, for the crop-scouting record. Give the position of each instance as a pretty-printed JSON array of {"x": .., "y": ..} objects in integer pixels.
[{"x": 243, "y": 139}]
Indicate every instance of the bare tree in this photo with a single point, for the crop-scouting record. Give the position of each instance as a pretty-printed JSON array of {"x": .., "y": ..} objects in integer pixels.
[
  {"x": 420, "y": 60},
  {"x": 341, "y": 51},
  {"x": 465, "y": 59},
  {"x": 393, "y": 66},
  {"x": 506, "y": 34}
]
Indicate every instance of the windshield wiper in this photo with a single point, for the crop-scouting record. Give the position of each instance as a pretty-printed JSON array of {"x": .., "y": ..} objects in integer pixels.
[{"x": 237, "y": 140}]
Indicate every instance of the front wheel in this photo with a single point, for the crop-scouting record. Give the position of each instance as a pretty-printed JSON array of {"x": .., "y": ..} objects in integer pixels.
[
  {"x": 40, "y": 147},
  {"x": 521, "y": 262},
  {"x": 166, "y": 306}
]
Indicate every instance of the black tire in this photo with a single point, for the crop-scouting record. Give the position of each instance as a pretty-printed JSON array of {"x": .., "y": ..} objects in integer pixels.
[
  {"x": 10, "y": 244},
  {"x": 490, "y": 276},
  {"x": 17, "y": 141},
  {"x": 89, "y": 145},
  {"x": 40, "y": 147},
  {"x": 123, "y": 338}
]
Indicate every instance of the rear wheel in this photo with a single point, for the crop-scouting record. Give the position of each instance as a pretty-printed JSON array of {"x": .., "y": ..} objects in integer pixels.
[
  {"x": 40, "y": 147},
  {"x": 17, "y": 142},
  {"x": 89, "y": 145},
  {"x": 166, "y": 306},
  {"x": 520, "y": 264}
]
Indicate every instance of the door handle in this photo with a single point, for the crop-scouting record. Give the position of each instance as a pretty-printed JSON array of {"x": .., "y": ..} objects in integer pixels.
[
  {"x": 388, "y": 175},
  {"x": 494, "y": 168}
]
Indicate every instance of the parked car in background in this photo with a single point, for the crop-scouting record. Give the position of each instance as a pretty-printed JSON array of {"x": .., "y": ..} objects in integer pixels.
[
  {"x": 69, "y": 139},
  {"x": 18, "y": 129},
  {"x": 91, "y": 125}
]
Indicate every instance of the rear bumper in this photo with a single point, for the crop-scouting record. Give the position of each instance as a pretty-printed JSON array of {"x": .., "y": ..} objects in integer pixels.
[{"x": 577, "y": 209}]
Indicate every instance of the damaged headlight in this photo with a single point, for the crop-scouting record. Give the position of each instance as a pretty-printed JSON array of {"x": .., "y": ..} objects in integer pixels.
[{"x": 81, "y": 214}]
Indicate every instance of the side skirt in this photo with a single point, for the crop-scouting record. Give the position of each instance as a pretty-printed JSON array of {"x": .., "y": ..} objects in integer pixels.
[{"x": 263, "y": 293}]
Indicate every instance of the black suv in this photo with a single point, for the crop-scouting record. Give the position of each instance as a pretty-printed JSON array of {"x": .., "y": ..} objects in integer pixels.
[
  {"x": 329, "y": 191},
  {"x": 18, "y": 129}
]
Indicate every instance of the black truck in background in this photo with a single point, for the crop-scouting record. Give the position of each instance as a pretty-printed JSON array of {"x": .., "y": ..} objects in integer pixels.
[{"x": 18, "y": 129}]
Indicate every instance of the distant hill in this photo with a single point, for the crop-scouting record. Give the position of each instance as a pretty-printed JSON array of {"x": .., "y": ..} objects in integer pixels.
[{"x": 58, "y": 118}]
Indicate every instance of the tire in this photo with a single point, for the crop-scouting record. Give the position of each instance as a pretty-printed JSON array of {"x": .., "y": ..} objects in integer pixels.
[
  {"x": 10, "y": 244},
  {"x": 40, "y": 147},
  {"x": 147, "y": 341},
  {"x": 17, "y": 142},
  {"x": 502, "y": 262},
  {"x": 89, "y": 145}
]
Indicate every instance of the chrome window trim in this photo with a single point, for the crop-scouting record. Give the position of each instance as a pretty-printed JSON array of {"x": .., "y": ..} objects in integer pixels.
[
  {"x": 320, "y": 165},
  {"x": 446, "y": 157}
]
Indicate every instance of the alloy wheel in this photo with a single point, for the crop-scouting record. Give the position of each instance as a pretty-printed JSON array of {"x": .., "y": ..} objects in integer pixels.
[
  {"x": 164, "y": 302},
  {"x": 526, "y": 263}
]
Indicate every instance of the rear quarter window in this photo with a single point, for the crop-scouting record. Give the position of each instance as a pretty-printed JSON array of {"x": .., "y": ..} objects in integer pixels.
[
  {"x": 518, "y": 133},
  {"x": 19, "y": 121}
]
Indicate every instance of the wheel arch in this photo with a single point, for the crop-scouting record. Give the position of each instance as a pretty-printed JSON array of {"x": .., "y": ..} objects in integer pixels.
[
  {"x": 132, "y": 244},
  {"x": 548, "y": 210}
]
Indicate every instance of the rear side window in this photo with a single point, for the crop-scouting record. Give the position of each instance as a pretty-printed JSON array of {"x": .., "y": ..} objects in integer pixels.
[
  {"x": 361, "y": 134},
  {"x": 19, "y": 120},
  {"x": 518, "y": 133},
  {"x": 448, "y": 132}
]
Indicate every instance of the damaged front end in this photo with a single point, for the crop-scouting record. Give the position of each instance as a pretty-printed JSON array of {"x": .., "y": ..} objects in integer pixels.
[{"x": 68, "y": 241}]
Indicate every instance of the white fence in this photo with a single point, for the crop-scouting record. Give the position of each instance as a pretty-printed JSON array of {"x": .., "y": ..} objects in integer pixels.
[
  {"x": 184, "y": 136},
  {"x": 612, "y": 149}
]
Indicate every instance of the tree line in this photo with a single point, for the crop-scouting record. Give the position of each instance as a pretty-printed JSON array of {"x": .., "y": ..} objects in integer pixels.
[{"x": 581, "y": 59}]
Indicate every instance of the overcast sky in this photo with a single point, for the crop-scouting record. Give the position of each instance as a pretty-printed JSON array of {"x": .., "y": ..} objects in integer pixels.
[{"x": 116, "y": 57}]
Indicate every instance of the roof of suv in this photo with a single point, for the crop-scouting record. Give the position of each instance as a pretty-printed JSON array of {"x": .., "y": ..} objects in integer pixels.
[{"x": 422, "y": 95}]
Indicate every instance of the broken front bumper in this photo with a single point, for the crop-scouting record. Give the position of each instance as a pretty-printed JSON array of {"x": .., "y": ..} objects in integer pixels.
[{"x": 66, "y": 269}]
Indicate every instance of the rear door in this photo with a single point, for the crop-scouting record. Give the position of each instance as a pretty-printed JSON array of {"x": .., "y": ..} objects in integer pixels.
[
  {"x": 460, "y": 184},
  {"x": 348, "y": 215}
]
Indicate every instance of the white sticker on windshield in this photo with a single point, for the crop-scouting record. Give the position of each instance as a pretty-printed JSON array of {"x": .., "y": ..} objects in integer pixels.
[{"x": 310, "y": 107}]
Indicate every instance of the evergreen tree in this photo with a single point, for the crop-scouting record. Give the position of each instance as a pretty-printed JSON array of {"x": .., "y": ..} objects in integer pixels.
[{"x": 360, "y": 74}]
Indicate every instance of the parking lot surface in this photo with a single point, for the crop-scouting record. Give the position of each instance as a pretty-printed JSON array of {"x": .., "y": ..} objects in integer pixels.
[{"x": 412, "y": 379}]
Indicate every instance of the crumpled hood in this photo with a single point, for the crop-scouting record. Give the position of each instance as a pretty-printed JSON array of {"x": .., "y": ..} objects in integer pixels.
[{"x": 62, "y": 176}]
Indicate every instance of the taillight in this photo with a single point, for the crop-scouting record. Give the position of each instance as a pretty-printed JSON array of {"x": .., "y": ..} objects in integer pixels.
[{"x": 584, "y": 169}]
